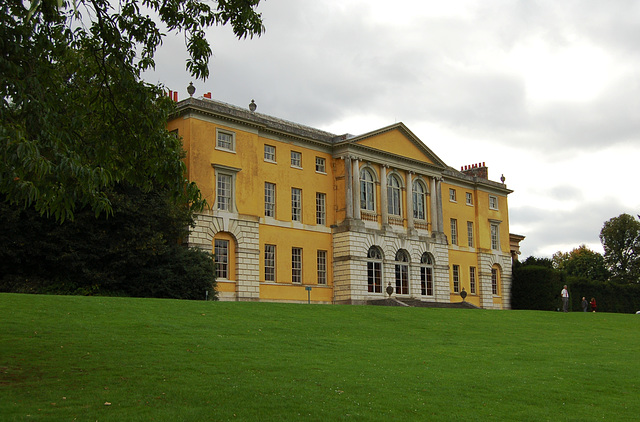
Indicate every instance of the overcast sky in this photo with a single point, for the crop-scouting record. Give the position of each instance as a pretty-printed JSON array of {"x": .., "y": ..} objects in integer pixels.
[{"x": 545, "y": 92}]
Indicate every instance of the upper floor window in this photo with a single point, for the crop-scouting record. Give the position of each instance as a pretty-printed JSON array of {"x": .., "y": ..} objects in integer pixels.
[
  {"x": 367, "y": 199},
  {"x": 495, "y": 236},
  {"x": 224, "y": 191},
  {"x": 469, "y": 197},
  {"x": 296, "y": 159},
  {"x": 419, "y": 200},
  {"x": 321, "y": 212},
  {"x": 452, "y": 195},
  {"x": 270, "y": 153},
  {"x": 225, "y": 140},
  {"x": 296, "y": 204},
  {"x": 269, "y": 199},
  {"x": 470, "y": 233},
  {"x": 393, "y": 195},
  {"x": 320, "y": 165},
  {"x": 454, "y": 231},
  {"x": 493, "y": 202}
]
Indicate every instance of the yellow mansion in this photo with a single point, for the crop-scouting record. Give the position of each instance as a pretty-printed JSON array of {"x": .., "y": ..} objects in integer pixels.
[{"x": 300, "y": 214}]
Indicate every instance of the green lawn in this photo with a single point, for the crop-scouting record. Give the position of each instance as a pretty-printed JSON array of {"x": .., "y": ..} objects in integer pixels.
[{"x": 119, "y": 359}]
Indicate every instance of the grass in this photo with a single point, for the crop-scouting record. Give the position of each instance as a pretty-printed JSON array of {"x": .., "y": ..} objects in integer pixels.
[{"x": 119, "y": 359}]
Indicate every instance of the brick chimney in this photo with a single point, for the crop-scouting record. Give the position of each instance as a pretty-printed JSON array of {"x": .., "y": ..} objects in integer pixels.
[{"x": 479, "y": 170}]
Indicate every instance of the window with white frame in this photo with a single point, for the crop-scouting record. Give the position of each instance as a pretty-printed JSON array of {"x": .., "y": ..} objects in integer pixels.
[
  {"x": 270, "y": 153},
  {"x": 225, "y": 140},
  {"x": 221, "y": 258},
  {"x": 493, "y": 202},
  {"x": 296, "y": 265},
  {"x": 472, "y": 280},
  {"x": 321, "y": 213},
  {"x": 456, "y": 278},
  {"x": 321, "y": 165},
  {"x": 269, "y": 262},
  {"x": 469, "y": 197},
  {"x": 402, "y": 272},
  {"x": 454, "y": 231},
  {"x": 224, "y": 191},
  {"x": 495, "y": 236},
  {"x": 296, "y": 204},
  {"x": 225, "y": 178},
  {"x": 494, "y": 281},
  {"x": 322, "y": 267},
  {"x": 393, "y": 195},
  {"x": 296, "y": 159},
  {"x": 452, "y": 195},
  {"x": 426, "y": 274},
  {"x": 374, "y": 270},
  {"x": 419, "y": 200},
  {"x": 367, "y": 189},
  {"x": 269, "y": 199},
  {"x": 470, "y": 233}
]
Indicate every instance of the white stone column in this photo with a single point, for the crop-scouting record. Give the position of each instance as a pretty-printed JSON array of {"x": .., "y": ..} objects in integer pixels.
[
  {"x": 439, "y": 204},
  {"x": 434, "y": 206},
  {"x": 384, "y": 200},
  {"x": 355, "y": 177},
  {"x": 410, "y": 224},
  {"x": 348, "y": 185}
]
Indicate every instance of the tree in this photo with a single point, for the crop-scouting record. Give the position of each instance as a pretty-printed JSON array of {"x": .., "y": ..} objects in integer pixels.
[
  {"x": 581, "y": 262},
  {"x": 620, "y": 237},
  {"x": 75, "y": 117}
]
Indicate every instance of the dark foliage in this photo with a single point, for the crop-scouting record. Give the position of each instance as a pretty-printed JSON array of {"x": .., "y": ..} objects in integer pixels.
[
  {"x": 135, "y": 252},
  {"x": 536, "y": 287}
]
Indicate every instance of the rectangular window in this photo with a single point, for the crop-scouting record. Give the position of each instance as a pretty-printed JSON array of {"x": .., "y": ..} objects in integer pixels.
[
  {"x": 495, "y": 237},
  {"x": 452, "y": 195},
  {"x": 296, "y": 204},
  {"x": 374, "y": 277},
  {"x": 223, "y": 198},
  {"x": 470, "y": 233},
  {"x": 469, "y": 196},
  {"x": 454, "y": 231},
  {"x": 493, "y": 202},
  {"x": 320, "y": 165},
  {"x": 269, "y": 262},
  {"x": 494, "y": 281},
  {"x": 426, "y": 281},
  {"x": 472, "y": 280},
  {"x": 296, "y": 265},
  {"x": 296, "y": 159},
  {"x": 321, "y": 208},
  {"x": 322, "y": 267},
  {"x": 225, "y": 140},
  {"x": 221, "y": 254},
  {"x": 456, "y": 279},
  {"x": 270, "y": 153},
  {"x": 269, "y": 199}
]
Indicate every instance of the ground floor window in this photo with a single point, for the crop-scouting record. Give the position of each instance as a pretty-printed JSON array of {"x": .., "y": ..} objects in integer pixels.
[
  {"x": 322, "y": 267},
  {"x": 472, "y": 280},
  {"x": 296, "y": 265},
  {"x": 221, "y": 254},
  {"x": 374, "y": 270},
  {"x": 402, "y": 273},
  {"x": 456, "y": 279},
  {"x": 494, "y": 280},
  {"x": 426, "y": 275}
]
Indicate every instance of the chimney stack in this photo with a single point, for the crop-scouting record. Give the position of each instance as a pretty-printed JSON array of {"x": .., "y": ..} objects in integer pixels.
[{"x": 479, "y": 170}]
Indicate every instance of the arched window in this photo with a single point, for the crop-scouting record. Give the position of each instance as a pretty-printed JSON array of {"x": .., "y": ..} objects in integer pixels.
[
  {"x": 374, "y": 270},
  {"x": 495, "y": 280},
  {"x": 367, "y": 199},
  {"x": 393, "y": 195},
  {"x": 402, "y": 272},
  {"x": 426, "y": 274},
  {"x": 419, "y": 200}
]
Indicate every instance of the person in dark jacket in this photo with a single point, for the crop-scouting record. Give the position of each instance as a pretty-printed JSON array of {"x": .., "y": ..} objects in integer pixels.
[{"x": 585, "y": 304}]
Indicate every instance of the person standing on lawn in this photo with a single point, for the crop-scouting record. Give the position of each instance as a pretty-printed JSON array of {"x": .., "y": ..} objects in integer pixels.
[
  {"x": 585, "y": 304},
  {"x": 565, "y": 299}
]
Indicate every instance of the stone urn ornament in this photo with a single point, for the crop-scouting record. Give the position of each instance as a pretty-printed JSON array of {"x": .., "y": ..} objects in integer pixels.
[
  {"x": 389, "y": 290},
  {"x": 463, "y": 294}
]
